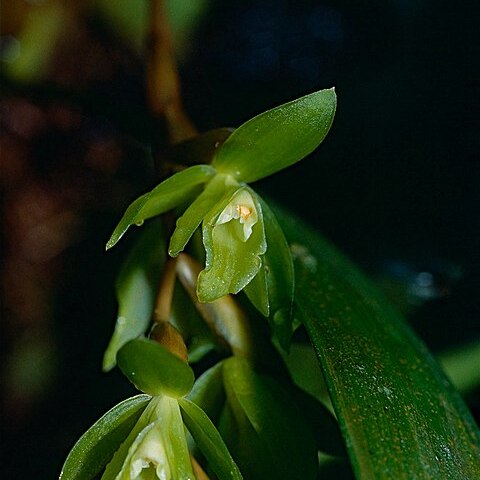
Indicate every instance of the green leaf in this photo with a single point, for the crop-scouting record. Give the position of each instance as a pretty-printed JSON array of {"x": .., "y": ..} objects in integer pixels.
[
  {"x": 136, "y": 288},
  {"x": 209, "y": 441},
  {"x": 277, "y": 138},
  {"x": 169, "y": 194},
  {"x": 96, "y": 446},
  {"x": 153, "y": 369},
  {"x": 215, "y": 190},
  {"x": 399, "y": 415},
  {"x": 234, "y": 240},
  {"x": 281, "y": 430}
]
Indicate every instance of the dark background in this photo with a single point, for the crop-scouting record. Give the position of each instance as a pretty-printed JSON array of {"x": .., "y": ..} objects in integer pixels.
[{"x": 395, "y": 184}]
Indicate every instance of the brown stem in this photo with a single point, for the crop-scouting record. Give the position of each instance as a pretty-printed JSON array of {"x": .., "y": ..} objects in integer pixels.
[
  {"x": 224, "y": 317},
  {"x": 162, "y": 331},
  {"x": 163, "y": 302},
  {"x": 163, "y": 86},
  {"x": 198, "y": 470},
  {"x": 164, "y": 100}
]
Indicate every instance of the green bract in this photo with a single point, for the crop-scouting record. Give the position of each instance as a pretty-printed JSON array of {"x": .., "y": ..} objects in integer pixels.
[
  {"x": 153, "y": 369},
  {"x": 277, "y": 138},
  {"x": 244, "y": 245}
]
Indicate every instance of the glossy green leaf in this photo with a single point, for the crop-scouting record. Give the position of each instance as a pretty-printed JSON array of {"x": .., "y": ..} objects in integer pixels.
[
  {"x": 216, "y": 189},
  {"x": 234, "y": 239},
  {"x": 281, "y": 430},
  {"x": 96, "y": 446},
  {"x": 209, "y": 441},
  {"x": 136, "y": 288},
  {"x": 277, "y": 138},
  {"x": 153, "y": 369},
  {"x": 399, "y": 415},
  {"x": 172, "y": 192}
]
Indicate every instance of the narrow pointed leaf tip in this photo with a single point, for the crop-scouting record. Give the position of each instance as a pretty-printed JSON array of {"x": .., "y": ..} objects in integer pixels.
[
  {"x": 169, "y": 194},
  {"x": 277, "y": 138}
]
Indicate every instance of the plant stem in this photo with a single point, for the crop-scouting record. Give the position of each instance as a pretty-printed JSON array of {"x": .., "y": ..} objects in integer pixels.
[
  {"x": 224, "y": 316},
  {"x": 163, "y": 86},
  {"x": 198, "y": 470},
  {"x": 163, "y": 302}
]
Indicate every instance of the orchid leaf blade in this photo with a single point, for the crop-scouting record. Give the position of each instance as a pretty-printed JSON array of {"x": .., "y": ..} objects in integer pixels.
[{"x": 397, "y": 411}]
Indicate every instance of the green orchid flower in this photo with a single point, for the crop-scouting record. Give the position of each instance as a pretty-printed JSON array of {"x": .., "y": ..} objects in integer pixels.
[
  {"x": 245, "y": 247},
  {"x": 144, "y": 437}
]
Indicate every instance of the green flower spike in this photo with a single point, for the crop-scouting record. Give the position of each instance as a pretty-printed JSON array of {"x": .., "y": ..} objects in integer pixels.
[
  {"x": 245, "y": 247},
  {"x": 144, "y": 438}
]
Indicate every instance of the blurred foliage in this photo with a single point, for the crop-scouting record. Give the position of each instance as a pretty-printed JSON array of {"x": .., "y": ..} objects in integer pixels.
[{"x": 397, "y": 183}]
